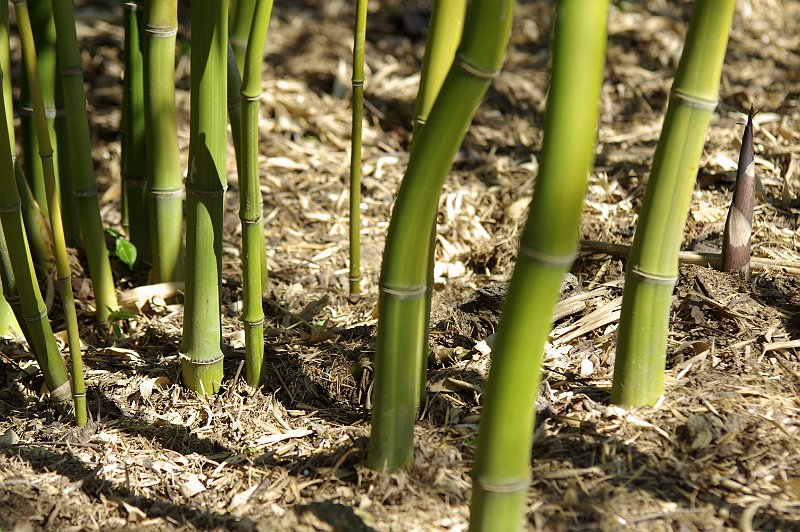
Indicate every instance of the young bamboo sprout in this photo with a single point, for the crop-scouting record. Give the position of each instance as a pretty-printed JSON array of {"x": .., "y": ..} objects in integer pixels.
[
  {"x": 652, "y": 268},
  {"x": 404, "y": 272},
  {"x": 205, "y": 194},
  {"x": 135, "y": 218},
  {"x": 85, "y": 189},
  {"x": 739, "y": 224},
  {"x": 250, "y": 209},
  {"x": 54, "y": 204},
  {"x": 164, "y": 179},
  {"x": 355, "y": 148},
  {"x": 547, "y": 248}
]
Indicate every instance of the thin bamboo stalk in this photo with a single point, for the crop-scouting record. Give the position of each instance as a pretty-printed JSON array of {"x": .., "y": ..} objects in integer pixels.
[
  {"x": 32, "y": 309},
  {"x": 85, "y": 189},
  {"x": 205, "y": 190},
  {"x": 355, "y": 149},
  {"x": 652, "y": 268},
  {"x": 9, "y": 298},
  {"x": 135, "y": 215},
  {"x": 240, "y": 28},
  {"x": 547, "y": 248},
  {"x": 404, "y": 271},
  {"x": 165, "y": 186},
  {"x": 444, "y": 33},
  {"x": 69, "y": 204},
  {"x": 54, "y": 203},
  {"x": 250, "y": 204},
  {"x": 37, "y": 227}
]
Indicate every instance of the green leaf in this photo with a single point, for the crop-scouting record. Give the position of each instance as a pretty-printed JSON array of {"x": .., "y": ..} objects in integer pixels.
[
  {"x": 118, "y": 315},
  {"x": 126, "y": 252}
]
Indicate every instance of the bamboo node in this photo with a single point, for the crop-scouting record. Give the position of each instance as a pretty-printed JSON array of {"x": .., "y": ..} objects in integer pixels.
[
  {"x": 357, "y": 82},
  {"x": 201, "y": 362},
  {"x": 157, "y": 194},
  {"x": 75, "y": 70},
  {"x": 474, "y": 70},
  {"x": 254, "y": 323},
  {"x": 654, "y": 277},
  {"x": 547, "y": 259},
  {"x": 191, "y": 190},
  {"x": 251, "y": 98},
  {"x": 134, "y": 6},
  {"x": 694, "y": 101},
  {"x": 87, "y": 192},
  {"x": 49, "y": 112},
  {"x": 11, "y": 208},
  {"x": 411, "y": 292},
  {"x": 161, "y": 32},
  {"x": 40, "y": 316},
  {"x": 250, "y": 221},
  {"x": 501, "y": 487}
]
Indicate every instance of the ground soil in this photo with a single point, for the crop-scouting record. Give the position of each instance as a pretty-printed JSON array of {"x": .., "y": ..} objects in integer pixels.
[{"x": 721, "y": 450}]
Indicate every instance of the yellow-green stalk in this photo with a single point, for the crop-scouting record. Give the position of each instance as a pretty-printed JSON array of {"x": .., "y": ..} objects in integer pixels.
[
  {"x": 250, "y": 206},
  {"x": 355, "y": 148},
  {"x": 32, "y": 309},
  {"x": 404, "y": 272},
  {"x": 79, "y": 144},
  {"x": 135, "y": 215},
  {"x": 205, "y": 194},
  {"x": 240, "y": 28},
  {"x": 165, "y": 183},
  {"x": 548, "y": 245},
  {"x": 54, "y": 208},
  {"x": 652, "y": 267}
]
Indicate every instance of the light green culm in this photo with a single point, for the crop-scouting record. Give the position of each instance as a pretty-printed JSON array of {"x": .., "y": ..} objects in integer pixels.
[
  {"x": 80, "y": 154},
  {"x": 548, "y": 245},
  {"x": 355, "y": 148},
  {"x": 404, "y": 272},
  {"x": 25, "y": 291},
  {"x": 240, "y": 27},
  {"x": 250, "y": 205},
  {"x": 205, "y": 197},
  {"x": 135, "y": 216},
  {"x": 164, "y": 179},
  {"x": 444, "y": 34},
  {"x": 652, "y": 267},
  {"x": 54, "y": 208}
]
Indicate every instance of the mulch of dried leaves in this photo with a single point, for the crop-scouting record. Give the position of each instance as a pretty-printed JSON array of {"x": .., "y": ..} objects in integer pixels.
[{"x": 721, "y": 450}]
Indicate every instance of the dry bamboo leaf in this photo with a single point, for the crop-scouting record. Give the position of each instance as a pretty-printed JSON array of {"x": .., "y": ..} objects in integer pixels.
[
  {"x": 191, "y": 486},
  {"x": 148, "y": 385}
]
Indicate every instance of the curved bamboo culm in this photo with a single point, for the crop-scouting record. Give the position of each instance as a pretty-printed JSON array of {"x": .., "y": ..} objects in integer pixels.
[
  {"x": 164, "y": 176},
  {"x": 205, "y": 194},
  {"x": 85, "y": 189},
  {"x": 355, "y": 148},
  {"x": 54, "y": 208},
  {"x": 240, "y": 28},
  {"x": 404, "y": 271},
  {"x": 135, "y": 215},
  {"x": 652, "y": 267},
  {"x": 250, "y": 204},
  {"x": 25, "y": 293},
  {"x": 548, "y": 246},
  {"x": 444, "y": 33}
]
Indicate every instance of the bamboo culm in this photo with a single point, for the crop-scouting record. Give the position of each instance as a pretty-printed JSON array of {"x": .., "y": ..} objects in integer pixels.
[{"x": 355, "y": 148}]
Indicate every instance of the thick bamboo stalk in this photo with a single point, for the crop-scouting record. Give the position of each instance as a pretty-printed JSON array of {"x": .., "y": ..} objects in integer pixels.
[
  {"x": 165, "y": 186},
  {"x": 652, "y": 267},
  {"x": 739, "y": 223},
  {"x": 54, "y": 208},
  {"x": 240, "y": 28},
  {"x": 85, "y": 189},
  {"x": 547, "y": 248},
  {"x": 250, "y": 204},
  {"x": 444, "y": 33},
  {"x": 205, "y": 191},
  {"x": 32, "y": 310},
  {"x": 355, "y": 148},
  {"x": 404, "y": 270},
  {"x": 135, "y": 215}
]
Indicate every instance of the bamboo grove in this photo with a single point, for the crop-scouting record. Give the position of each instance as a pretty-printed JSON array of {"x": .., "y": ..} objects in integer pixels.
[{"x": 49, "y": 201}]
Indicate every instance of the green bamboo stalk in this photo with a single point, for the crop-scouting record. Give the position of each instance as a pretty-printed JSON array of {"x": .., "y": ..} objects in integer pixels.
[
  {"x": 444, "y": 33},
  {"x": 40, "y": 237},
  {"x": 163, "y": 156},
  {"x": 205, "y": 191},
  {"x": 85, "y": 189},
  {"x": 547, "y": 248},
  {"x": 250, "y": 204},
  {"x": 135, "y": 216},
  {"x": 32, "y": 309},
  {"x": 652, "y": 267},
  {"x": 45, "y": 38},
  {"x": 240, "y": 28},
  {"x": 404, "y": 271},
  {"x": 355, "y": 149},
  {"x": 54, "y": 208},
  {"x": 9, "y": 325},
  {"x": 69, "y": 204}
]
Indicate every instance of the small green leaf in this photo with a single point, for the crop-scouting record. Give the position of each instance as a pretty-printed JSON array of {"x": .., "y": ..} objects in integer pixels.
[
  {"x": 126, "y": 252},
  {"x": 118, "y": 315}
]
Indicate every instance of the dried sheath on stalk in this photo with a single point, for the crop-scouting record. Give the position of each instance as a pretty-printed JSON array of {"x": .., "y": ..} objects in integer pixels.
[{"x": 739, "y": 224}]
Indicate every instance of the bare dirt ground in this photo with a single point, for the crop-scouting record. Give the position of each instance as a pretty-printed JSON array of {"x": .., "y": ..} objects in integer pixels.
[{"x": 722, "y": 450}]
